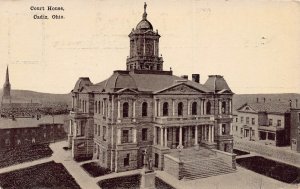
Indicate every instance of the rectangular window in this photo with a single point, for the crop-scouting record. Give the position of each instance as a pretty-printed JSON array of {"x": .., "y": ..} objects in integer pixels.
[
  {"x": 104, "y": 133},
  {"x": 126, "y": 160},
  {"x": 270, "y": 121},
  {"x": 144, "y": 134},
  {"x": 271, "y": 136},
  {"x": 99, "y": 127},
  {"x": 236, "y": 128},
  {"x": 298, "y": 117},
  {"x": 236, "y": 119},
  {"x": 223, "y": 129},
  {"x": 241, "y": 130},
  {"x": 247, "y": 120},
  {"x": 279, "y": 122},
  {"x": 242, "y": 119},
  {"x": 253, "y": 133},
  {"x": 95, "y": 129},
  {"x": 125, "y": 136},
  {"x": 253, "y": 121}
]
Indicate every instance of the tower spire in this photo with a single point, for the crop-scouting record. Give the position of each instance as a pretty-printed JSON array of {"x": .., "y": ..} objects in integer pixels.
[
  {"x": 145, "y": 13},
  {"x": 7, "y": 75}
]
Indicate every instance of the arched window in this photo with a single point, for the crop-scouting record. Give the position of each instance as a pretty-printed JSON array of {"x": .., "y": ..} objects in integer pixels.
[
  {"x": 144, "y": 108},
  {"x": 223, "y": 108},
  {"x": 165, "y": 109},
  {"x": 180, "y": 109},
  {"x": 125, "y": 109},
  {"x": 208, "y": 107},
  {"x": 194, "y": 108},
  {"x": 79, "y": 103},
  {"x": 96, "y": 108}
]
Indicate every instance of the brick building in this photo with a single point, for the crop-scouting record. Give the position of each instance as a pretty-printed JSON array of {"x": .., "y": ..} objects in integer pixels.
[
  {"x": 267, "y": 122},
  {"x": 146, "y": 107},
  {"x": 295, "y": 129},
  {"x": 20, "y": 132}
]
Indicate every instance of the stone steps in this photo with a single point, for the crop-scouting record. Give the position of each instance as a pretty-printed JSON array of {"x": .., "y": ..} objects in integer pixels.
[{"x": 206, "y": 168}]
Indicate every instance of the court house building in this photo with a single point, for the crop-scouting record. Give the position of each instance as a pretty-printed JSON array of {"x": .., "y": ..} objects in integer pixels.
[{"x": 148, "y": 108}]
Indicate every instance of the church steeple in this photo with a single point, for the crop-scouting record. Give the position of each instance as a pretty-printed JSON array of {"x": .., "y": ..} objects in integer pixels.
[
  {"x": 144, "y": 47},
  {"x": 6, "y": 88}
]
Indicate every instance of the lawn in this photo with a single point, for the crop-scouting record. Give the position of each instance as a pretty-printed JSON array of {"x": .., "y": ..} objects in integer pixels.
[
  {"x": 94, "y": 169},
  {"x": 130, "y": 182},
  {"x": 46, "y": 175},
  {"x": 276, "y": 170},
  {"x": 24, "y": 154}
]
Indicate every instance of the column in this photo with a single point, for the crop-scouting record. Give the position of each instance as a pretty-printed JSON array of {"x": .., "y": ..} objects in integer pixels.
[
  {"x": 134, "y": 135},
  {"x": 196, "y": 135},
  {"x": 201, "y": 106},
  {"x": 173, "y": 107},
  {"x": 161, "y": 136},
  {"x": 155, "y": 107},
  {"x": 204, "y": 107},
  {"x": 230, "y": 132},
  {"x": 209, "y": 133},
  {"x": 202, "y": 132},
  {"x": 158, "y": 107},
  {"x": 119, "y": 109},
  {"x": 205, "y": 132},
  {"x": 230, "y": 106},
  {"x": 220, "y": 107},
  {"x": 166, "y": 137},
  {"x": 70, "y": 127},
  {"x": 133, "y": 109},
  {"x": 188, "y": 107},
  {"x": 118, "y": 136},
  {"x": 75, "y": 129},
  {"x": 213, "y": 133},
  {"x": 155, "y": 135},
  {"x": 72, "y": 102},
  {"x": 180, "y": 136},
  {"x": 220, "y": 129},
  {"x": 174, "y": 137}
]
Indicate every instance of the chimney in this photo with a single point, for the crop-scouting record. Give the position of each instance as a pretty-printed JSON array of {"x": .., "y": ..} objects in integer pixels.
[
  {"x": 196, "y": 78},
  {"x": 185, "y": 76},
  {"x": 264, "y": 99},
  {"x": 257, "y": 100},
  {"x": 290, "y": 103},
  {"x": 296, "y": 103}
]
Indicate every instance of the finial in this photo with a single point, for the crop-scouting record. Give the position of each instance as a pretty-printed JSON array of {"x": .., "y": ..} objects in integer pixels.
[{"x": 145, "y": 13}]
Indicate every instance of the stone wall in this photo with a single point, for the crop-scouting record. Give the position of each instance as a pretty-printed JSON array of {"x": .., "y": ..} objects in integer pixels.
[{"x": 281, "y": 154}]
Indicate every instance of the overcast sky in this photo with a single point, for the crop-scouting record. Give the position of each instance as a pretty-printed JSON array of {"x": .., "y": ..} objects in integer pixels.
[{"x": 255, "y": 45}]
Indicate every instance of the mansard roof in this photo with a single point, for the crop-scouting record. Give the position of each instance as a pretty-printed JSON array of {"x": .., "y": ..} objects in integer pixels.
[
  {"x": 217, "y": 84},
  {"x": 143, "y": 81}
]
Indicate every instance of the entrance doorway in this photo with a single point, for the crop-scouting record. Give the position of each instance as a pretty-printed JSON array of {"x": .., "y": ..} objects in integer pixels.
[{"x": 156, "y": 156}]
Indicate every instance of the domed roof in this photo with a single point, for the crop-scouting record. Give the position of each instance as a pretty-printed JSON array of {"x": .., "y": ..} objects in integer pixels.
[{"x": 144, "y": 25}]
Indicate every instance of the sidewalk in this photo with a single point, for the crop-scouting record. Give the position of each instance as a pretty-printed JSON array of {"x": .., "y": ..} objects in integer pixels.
[{"x": 24, "y": 165}]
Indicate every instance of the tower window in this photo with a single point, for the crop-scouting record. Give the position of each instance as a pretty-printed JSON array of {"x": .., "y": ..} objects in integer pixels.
[
  {"x": 165, "y": 109},
  {"x": 223, "y": 107},
  {"x": 126, "y": 160},
  {"x": 144, "y": 134}
]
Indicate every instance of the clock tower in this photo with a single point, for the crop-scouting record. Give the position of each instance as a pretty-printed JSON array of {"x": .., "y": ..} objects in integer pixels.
[{"x": 144, "y": 47}]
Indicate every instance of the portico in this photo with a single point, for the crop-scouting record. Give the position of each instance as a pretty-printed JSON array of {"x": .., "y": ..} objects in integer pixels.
[{"x": 187, "y": 136}]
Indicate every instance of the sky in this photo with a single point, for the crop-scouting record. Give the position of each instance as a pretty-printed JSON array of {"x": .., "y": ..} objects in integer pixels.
[{"x": 255, "y": 45}]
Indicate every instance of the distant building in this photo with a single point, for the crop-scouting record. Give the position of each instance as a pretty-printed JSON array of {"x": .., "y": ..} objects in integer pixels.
[
  {"x": 146, "y": 108},
  {"x": 6, "y": 97},
  {"x": 295, "y": 129},
  {"x": 266, "y": 122},
  {"x": 19, "y": 132}
]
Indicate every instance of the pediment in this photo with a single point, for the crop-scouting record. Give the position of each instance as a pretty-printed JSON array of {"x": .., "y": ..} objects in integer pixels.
[
  {"x": 127, "y": 91},
  {"x": 181, "y": 88},
  {"x": 246, "y": 108}
]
